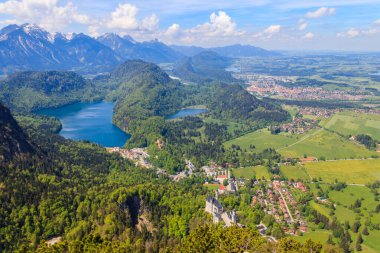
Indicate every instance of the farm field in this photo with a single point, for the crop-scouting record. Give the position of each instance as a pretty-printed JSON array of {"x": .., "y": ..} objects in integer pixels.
[
  {"x": 249, "y": 172},
  {"x": 349, "y": 171},
  {"x": 316, "y": 143},
  {"x": 294, "y": 172},
  {"x": 263, "y": 139},
  {"x": 322, "y": 143},
  {"x": 347, "y": 123}
]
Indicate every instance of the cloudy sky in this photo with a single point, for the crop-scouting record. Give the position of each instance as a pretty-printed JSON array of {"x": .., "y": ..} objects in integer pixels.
[{"x": 272, "y": 24}]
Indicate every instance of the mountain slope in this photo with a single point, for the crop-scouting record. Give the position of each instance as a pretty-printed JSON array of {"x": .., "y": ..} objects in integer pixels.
[
  {"x": 13, "y": 141},
  {"x": 29, "y": 47},
  {"x": 151, "y": 51}
]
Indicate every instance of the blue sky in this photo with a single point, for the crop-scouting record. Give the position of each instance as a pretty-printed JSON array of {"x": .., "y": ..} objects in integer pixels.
[{"x": 273, "y": 24}]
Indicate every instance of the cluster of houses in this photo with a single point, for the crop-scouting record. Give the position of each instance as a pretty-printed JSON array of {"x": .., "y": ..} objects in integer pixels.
[
  {"x": 278, "y": 201},
  {"x": 215, "y": 208},
  {"x": 186, "y": 173},
  {"x": 220, "y": 177},
  {"x": 139, "y": 155},
  {"x": 299, "y": 125},
  {"x": 318, "y": 112}
]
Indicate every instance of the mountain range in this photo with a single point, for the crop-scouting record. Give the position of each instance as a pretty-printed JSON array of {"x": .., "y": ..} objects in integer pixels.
[{"x": 29, "y": 47}]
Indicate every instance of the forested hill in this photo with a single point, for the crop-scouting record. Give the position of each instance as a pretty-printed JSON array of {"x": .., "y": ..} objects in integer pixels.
[
  {"x": 144, "y": 91},
  {"x": 13, "y": 140},
  {"x": 140, "y": 72},
  {"x": 231, "y": 101},
  {"x": 204, "y": 67},
  {"x": 33, "y": 90}
]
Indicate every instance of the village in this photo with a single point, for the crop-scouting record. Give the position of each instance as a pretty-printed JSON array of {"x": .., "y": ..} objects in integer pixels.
[
  {"x": 279, "y": 87},
  {"x": 276, "y": 199},
  {"x": 298, "y": 125}
]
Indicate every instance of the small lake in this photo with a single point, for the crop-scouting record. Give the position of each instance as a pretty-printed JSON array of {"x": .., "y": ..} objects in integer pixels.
[
  {"x": 90, "y": 122},
  {"x": 187, "y": 112}
]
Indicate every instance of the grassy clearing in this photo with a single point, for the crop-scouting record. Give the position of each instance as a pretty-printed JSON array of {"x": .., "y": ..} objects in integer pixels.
[
  {"x": 349, "y": 171},
  {"x": 348, "y": 123},
  {"x": 294, "y": 172},
  {"x": 263, "y": 139},
  {"x": 372, "y": 240},
  {"x": 321, "y": 209},
  {"x": 315, "y": 143},
  {"x": 319, "y": 235},
  {"x": 344, "y": 199},
  {"x": 322, "y": 143},
  {"x": 231, "y": 125},
  {"x": 250, "y": 172},
  {"x": 211, "y": 187},
  {"x": 293, "y": 110}
]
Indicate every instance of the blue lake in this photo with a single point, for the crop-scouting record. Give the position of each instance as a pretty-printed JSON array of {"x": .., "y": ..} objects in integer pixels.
[
  {"x": 90, "y": 122},
  {"x": 187, "y": 112}
]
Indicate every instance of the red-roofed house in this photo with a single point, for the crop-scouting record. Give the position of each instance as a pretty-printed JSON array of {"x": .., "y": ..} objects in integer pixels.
[{"x": 221, "y": 178}]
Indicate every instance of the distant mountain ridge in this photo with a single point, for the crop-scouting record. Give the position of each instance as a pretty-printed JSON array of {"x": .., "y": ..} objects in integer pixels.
[
  {"x": 29, "y": 47},
  {"x": 232, "y": 51},
  {"x": 204, "y": 66}
]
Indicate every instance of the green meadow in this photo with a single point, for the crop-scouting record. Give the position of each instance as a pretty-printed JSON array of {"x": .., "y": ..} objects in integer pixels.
[
  {"x": 349, "y": 122},
  {"x": 316, "y": 143},
  {"x": 294, "y": 172},
  {"x": 250, "y": 172},
  {"x": 349, "y": 171}
]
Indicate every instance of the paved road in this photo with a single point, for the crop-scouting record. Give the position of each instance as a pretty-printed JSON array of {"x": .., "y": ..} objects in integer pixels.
[{"x": 286, "y": 205}]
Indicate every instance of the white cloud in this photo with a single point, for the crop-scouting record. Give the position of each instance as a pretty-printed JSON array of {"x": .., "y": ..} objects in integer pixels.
[
  {"x": 221, "y": 24},
  {"x": 370, "y": 31},
  {"x": 309, "y": 35},
  {"x": 93, "y": 31},
  {"x": 321, "y": 12},
  {"x": 150, "y": 23},
  {"x": 124, "y": 17},
  {"x": 351, "y": 33},
  {"x": 272, "y": 29},
  {"x": 302, "y": 25},
  {"x": 49, "y": 14},
  {"x": 173, "y": 30},
  {"x": 377, "y": 22}
]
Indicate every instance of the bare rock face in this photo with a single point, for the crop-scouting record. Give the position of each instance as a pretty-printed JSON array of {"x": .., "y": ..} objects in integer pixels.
[{"x": 13, "y": 141}]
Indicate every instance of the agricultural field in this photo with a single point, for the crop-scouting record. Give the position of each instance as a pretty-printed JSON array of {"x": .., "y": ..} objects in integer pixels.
[
  {"x": 316, "y": 143},
  {"x": 294, "y": 172},
  {"x": 263, "y": 139},
  {"x": 250, "y": 172},
  {"x": 349, "y": 171},
  {"x": 348, "y": 123}
]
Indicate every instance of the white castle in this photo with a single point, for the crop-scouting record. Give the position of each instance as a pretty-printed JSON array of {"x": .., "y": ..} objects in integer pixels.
[{"x": 214, "y": 207}]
